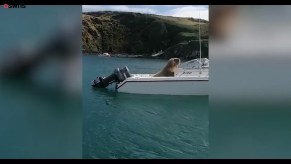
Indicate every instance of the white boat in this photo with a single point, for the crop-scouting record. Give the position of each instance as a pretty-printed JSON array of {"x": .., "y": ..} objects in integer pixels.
[
  {"x": 105, "y": 54},
  {"x": 191, "y": 78},
  {"x": 186, "y": 81},
  {"x": 158, "y": 54}
]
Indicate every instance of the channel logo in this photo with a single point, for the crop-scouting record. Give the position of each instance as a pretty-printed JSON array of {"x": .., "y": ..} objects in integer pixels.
[{"x": 6, "y": 6}]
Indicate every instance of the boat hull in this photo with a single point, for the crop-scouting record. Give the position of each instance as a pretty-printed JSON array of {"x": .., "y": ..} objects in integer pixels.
[{"x": 167, "y": 86}]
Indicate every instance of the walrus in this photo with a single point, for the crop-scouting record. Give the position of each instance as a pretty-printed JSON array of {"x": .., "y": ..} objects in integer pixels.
[{"x": 169, "y": 69}]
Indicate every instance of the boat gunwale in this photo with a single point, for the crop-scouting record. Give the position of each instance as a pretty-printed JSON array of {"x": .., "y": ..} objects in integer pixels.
[
  {"x": 148, "y": 77},
  {"x": 159, "y": 79}
]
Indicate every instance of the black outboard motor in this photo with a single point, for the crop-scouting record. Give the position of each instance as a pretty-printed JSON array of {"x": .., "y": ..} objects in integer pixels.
[{"x": 118, "y": 75}]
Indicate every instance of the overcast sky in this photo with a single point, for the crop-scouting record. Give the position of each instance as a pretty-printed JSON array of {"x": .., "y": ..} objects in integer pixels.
[{"x": 169, "y": 10}]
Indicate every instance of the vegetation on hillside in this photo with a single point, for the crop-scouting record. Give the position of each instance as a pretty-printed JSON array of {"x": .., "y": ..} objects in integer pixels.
[{"x": 143, "y": 34}]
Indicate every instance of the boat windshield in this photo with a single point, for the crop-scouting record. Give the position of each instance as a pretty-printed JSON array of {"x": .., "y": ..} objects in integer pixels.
[{"x": 195, "y": 64}]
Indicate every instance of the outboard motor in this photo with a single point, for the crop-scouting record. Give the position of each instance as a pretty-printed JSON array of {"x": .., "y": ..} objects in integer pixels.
[{"x": 117, "y": 76}]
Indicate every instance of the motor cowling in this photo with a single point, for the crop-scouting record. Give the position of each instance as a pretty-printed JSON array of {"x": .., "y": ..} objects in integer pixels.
[{"x": 117, "y": 76}]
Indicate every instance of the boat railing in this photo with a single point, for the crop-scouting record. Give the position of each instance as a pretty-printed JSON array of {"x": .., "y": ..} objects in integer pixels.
[{"x": 195, "y": 64}]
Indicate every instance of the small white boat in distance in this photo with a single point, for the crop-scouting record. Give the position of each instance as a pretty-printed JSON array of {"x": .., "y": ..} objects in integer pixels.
[
  {"x": 191, "y": 78},
  {"x": 158, "y": 54},
  {"x": 105, "y": 54}
]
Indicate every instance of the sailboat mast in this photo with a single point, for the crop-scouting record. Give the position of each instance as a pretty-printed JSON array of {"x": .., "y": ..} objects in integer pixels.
[{"x": 199, "y": 43}]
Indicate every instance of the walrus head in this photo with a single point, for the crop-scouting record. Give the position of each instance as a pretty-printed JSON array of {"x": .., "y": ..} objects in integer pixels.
[{"x": 173, "y": 63}]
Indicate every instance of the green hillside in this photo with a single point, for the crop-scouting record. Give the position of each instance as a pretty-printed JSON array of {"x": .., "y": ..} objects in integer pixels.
[{"x": 143, "y": 34}]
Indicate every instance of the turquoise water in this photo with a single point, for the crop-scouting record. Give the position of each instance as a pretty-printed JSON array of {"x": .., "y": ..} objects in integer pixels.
[
  {"x": 38, "y": 122},
  {"x": 36, "y": 119},
  {"x": 120, "y": 125}
]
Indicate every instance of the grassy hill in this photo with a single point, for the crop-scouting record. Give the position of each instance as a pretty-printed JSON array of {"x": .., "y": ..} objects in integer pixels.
[{"x": 136, "y": 33}]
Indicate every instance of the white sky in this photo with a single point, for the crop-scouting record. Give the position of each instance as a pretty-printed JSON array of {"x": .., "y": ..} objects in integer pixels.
[{"x": 168, "y": 10}]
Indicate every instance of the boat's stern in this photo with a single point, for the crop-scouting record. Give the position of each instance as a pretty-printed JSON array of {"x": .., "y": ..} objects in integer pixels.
[{"x": 119, "y": 75}]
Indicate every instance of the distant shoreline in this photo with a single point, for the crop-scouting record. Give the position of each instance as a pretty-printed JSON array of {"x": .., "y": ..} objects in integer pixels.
[
  {"x": 133, "y": 56},
  {"x": 120, "y": 55}
]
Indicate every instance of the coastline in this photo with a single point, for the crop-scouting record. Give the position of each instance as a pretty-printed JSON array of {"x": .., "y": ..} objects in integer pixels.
[
  {"x": 133, "y": 56},
  {"x": 85, "y": 52}
]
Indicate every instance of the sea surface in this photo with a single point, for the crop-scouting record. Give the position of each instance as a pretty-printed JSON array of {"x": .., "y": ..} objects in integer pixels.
[
  {"x": 36, "y": 119},
  {"x": 121, "y": 125}
]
